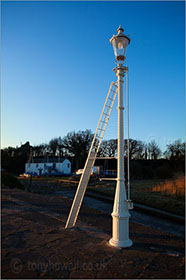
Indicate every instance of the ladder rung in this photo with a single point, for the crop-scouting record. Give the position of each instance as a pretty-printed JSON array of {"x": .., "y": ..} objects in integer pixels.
[
  {"x": 108, "y": 179},
  {"x": 86, "y": 173},
  {"x": 106, "y": 157},
  {"x": 89, "y": 163}
]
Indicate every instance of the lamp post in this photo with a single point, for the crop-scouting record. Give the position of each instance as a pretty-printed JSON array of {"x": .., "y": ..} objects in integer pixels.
[{"x": 120, "y": 214}]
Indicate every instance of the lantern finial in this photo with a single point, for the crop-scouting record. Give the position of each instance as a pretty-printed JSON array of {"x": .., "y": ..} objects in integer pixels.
[{"x": 120, "y": 29}]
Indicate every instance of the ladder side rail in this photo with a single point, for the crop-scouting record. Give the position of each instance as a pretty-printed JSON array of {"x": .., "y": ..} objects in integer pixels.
[
  {"x": 100, "y": 118},
  {"x": 105, "y": 112},
  {"x": 83, "y": 176},
  {"x": 114, "y": 93},
  {"x": 109, "y": 102},
  {"x": 102, "y": 123},
  {"x": 108, "y": 105},
  {"x": 116, "y": 90},
  {"x": 88, "y": 169},
  {"x": 110, "y": 99},
  {"x": 83, "y": 193},
  {"x": 84, "y": 170},
  {"x": 105, "y": 115},
  {"x": 95, "y": 140}
]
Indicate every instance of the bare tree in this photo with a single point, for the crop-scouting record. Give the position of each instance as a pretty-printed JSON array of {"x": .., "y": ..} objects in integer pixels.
[
  {"x": 40, "y": 150},
  {"x": 176, "y": 150},
  {"x": 9, "y": 151},
  {"x": 108, "y": 148},
  {"x": 153, "y": 150},
  {"x": 145, "y": 155},
  {"x": 60, "y": 147},
  {"x": 77, "y": 144},
  {"x": 53, "y": 146},
  {"x": 136, "y": 149}
]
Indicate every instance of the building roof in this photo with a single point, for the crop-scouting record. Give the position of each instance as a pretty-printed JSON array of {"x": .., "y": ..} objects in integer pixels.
[{"x": 47, "y": 159}]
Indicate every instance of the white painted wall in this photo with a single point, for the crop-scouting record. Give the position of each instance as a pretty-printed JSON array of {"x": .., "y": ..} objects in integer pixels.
[{"x": 64, "y": 167}]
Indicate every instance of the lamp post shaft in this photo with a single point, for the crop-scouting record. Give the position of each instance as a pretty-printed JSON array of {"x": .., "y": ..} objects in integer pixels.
[
  {"x": 120, "y": 214},
  {"x": 120, "y": 163}
]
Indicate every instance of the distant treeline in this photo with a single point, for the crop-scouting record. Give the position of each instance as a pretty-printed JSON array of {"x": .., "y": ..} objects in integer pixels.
[{"x": 75, "y": 147}]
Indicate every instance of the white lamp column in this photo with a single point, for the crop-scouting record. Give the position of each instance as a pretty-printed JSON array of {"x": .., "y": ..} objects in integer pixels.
[{"x": 120, "y": 214}]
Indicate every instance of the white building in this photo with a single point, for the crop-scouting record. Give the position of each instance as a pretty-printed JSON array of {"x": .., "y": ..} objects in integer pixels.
[{"x": 49, "y": 166}]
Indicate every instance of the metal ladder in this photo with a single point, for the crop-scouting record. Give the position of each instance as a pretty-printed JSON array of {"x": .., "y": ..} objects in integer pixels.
[{"x": 96, "y": 142}]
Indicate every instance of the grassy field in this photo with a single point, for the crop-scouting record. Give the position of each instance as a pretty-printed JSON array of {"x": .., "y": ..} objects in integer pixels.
[
  {"x": 174, "y": 187},
  {"x": 167, "y": 195}
]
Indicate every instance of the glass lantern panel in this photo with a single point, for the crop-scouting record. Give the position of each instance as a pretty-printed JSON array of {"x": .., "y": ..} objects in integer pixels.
[
  {"x": 114, "y": 47},
  {"x": 121, "y": 44}
]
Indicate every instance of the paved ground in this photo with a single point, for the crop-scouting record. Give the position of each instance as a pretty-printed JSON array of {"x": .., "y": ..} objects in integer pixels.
[
  {"x": 137, "y": 216},
  {"x": 36, "y": 245}
]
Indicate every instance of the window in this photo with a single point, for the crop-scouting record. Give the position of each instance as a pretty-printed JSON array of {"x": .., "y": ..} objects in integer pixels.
[
  {"x": 36, "y": 164},
  {"x": 68, "y": 165},
  {"x": 54, "y": 165}
]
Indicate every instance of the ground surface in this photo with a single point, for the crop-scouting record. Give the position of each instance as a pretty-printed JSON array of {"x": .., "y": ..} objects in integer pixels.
[
  {"x": 146, "y": 217},
  {"x": 141, "y": 191},
  {"x": 36, "y": 245}
]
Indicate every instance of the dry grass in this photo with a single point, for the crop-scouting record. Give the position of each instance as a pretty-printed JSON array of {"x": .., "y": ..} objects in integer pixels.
[
  {"x": 143, "y": 192},
  {"x": 173, "y": 187}
]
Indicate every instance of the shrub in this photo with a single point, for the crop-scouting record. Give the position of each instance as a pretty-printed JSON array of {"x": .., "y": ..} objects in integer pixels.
[
  {"x": 9, "y": 181},
  {"x": 147, "y": 172},
  {"x": 136, "y": 170},
  {"x": 164, "y": 172},
  {"x": 174, "y": 187}
]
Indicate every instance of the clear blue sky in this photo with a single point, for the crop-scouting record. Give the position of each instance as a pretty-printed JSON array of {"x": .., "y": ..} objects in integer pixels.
[{"x": 57, "y": 66}]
